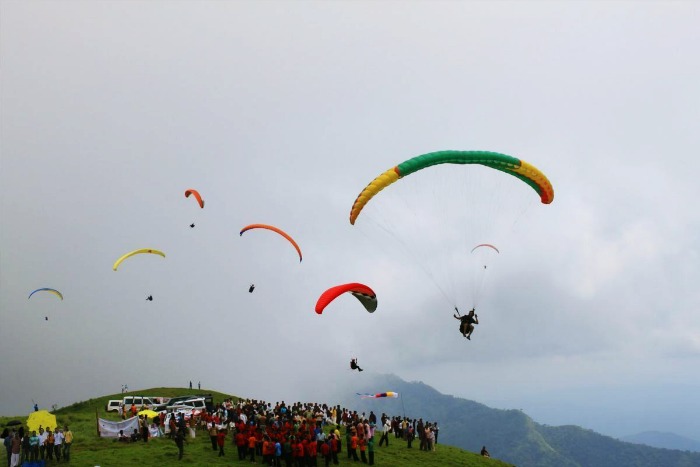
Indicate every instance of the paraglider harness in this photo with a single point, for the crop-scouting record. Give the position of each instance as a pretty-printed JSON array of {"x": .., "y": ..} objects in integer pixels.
[
  {"x": 465, "y": 320},
  {"x": 354, "y": 366}
]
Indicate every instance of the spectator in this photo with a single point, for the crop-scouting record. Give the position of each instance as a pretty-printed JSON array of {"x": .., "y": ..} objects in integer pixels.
[
  {"x": 7, "y": 437},
  {"x": 213, "y": 435},
  {"x": 67, "y": 442},
  {"x": 48, "y": 444},
  {"x": 58, "y": 443},
  {"x": 180, "y": 443},
  {"x": 34, "y": 447},
  {"x": 16, "y": 446},
  {"x": 220, "y": 441}
]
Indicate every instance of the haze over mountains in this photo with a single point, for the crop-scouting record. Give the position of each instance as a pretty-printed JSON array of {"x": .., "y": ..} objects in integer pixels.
[
  {"x": 511, "y": 435},
  {"x": 660, "y": 439}
]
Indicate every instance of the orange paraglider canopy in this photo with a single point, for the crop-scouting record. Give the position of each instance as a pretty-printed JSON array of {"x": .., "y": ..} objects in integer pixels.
[{"x": 196, "y": 195}]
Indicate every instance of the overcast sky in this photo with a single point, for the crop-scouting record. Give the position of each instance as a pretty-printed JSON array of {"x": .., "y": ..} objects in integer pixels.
[{"x": 280, "y": 113}]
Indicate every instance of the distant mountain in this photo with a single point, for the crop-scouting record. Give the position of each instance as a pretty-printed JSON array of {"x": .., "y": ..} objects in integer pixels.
[
  {"x": 660, "y": 439},
  {"x": 509, "y": 435}
]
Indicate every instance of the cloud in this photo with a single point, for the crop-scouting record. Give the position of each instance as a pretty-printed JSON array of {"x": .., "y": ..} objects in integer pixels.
[{"x": 280, "y": 113}]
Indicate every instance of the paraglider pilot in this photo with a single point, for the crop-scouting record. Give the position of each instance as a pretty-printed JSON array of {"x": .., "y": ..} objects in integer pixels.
[
  {"x": 251, "y": 288},
  {"x": 467, "y": 322},
  {"x": 354, "y": 366},
  {"x": 149, "y": 298}
]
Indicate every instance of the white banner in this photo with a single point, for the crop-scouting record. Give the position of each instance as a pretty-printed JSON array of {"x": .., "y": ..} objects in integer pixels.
[{"x": 110, "y": 429}]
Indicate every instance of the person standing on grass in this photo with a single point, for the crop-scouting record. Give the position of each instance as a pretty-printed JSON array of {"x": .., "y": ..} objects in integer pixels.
[
  {"x": 15, "y": 448},
  {"x": 34, "y": 447},
  {"x": 42, "y": 443},
  {"x": 278, "y": 453},
  {"x": 251, "y": 446},
  {"x": 67, "y": 442},
  {"x": 354, "y": 443},
  {"x": 7, "y": 436},
  {"x": 213, "y": 435},
  {"x": 49, "y": 444},
  {"x": 26, "y": 446},
  {"x": 58, "y": 443},
  {"x": 362, "y": 444},
  {"x": 220, "y": 441},
  {"x": 180, "y": 443},
  {"x": 385, "y": 433},
  {"x": 240, "y": 444},
  {"x": 335, "y": 448}
]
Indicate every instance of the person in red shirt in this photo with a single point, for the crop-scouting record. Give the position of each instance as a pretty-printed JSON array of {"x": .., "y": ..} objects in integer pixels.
[
  {"x": 220, "y": 441},
  {"x": 311, "y": 452},
  {"x": 241, "y": 444},
  {"x": 335, "y": 447},
  {"x": 268, "y": 450},
  {"x": 363, "y": 448},
  {"x": 354, "y": 442},
  {"x": 326, "y": 453},
  {"x": 298, "y": 452},
  {"x": 251, "y": 447}
]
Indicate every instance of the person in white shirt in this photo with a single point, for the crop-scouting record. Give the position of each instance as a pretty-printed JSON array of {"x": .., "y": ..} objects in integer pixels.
[
  {"x": 42, "y": 443},
  {"x": 385, "y": 433},
  {"x": 58, "y": 443}
]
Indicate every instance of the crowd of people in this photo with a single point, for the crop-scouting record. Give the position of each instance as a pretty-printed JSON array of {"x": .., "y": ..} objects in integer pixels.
[
  {"x": 295, "y": 435},
  {"x": 280, "y": 434},
  {"x": 23, "y": 446}
]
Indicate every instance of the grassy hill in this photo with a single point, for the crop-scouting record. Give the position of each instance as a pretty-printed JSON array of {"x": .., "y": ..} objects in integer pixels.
[{"x": 90, "y": 450}]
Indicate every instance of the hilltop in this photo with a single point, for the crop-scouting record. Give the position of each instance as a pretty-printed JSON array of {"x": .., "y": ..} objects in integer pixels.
[
  {"x": 511, "y": 436},
  {"x": 89, "y": 449}
]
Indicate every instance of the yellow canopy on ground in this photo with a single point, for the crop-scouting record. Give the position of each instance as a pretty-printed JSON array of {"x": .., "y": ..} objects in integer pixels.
[
  {"x": 41, "y": 418},
  {"x": 148, "y": 413}
]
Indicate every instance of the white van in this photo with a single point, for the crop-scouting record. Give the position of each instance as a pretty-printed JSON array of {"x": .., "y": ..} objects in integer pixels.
[
  {"x": 139, "y": 401},
  {"x": 196, "y": 403},
  {"x": 113, "y": 405}
]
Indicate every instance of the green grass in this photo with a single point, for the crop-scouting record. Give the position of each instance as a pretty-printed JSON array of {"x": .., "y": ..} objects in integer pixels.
[{"x": 90, "y": 450}]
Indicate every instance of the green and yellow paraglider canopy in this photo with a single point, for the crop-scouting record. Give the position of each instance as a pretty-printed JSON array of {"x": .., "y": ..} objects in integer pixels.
[{"x": 508, "y": 164}]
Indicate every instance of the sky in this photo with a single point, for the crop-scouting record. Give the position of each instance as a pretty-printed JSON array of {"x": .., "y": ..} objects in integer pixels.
[{"x": 281, "y": 113}]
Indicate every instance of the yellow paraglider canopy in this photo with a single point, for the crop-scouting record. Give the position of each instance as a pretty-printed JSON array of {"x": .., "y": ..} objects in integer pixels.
[{"x": 136, "y": 252}]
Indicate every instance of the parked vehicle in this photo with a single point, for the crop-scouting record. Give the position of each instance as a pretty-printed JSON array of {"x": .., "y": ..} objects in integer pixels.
[
  {"x": 196, "y": 403},
  {"x": 174, "y": 401},
  {"x": 139, "y": 401},
  {"x": 113, "y": 405}
]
